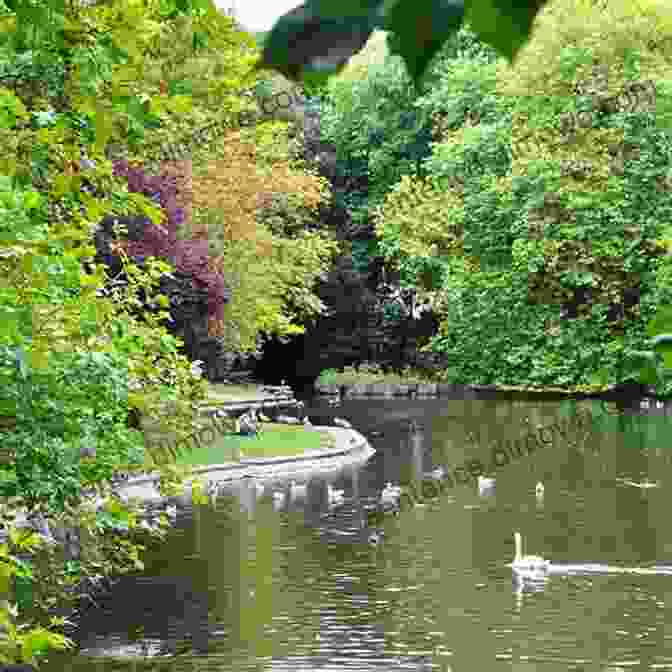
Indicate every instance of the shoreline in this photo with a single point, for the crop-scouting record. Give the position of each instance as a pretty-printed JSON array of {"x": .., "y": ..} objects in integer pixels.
[
  {"x": 351, "y": 449},
  {"x": 428, "y": 390}
]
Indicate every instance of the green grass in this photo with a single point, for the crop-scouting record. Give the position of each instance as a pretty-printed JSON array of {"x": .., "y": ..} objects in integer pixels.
[
  {"x": 224, "y": 392},
  {"x": 371, "y": 373},
  {"x": 276, "y": 440}
]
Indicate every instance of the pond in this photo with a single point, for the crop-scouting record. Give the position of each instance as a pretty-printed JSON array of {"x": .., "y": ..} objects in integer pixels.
[{"x": 302, "y": 588}]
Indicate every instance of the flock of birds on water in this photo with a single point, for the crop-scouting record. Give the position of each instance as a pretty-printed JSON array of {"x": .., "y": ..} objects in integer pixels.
[{"x": 532, "y": 567}]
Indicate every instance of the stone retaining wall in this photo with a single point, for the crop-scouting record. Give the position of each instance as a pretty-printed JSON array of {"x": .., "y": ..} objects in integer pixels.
[
  {"x": 388, "y": 390},
  {"x": 352, "y": 449}
]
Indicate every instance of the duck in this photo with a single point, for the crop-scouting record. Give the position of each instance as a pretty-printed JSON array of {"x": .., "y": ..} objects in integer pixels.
[
  {"x": 335, "y": 496},
  {"x": 539, "y": 490},
  {"x": 527, "y": 563},
  {"x": 437, "y": 474},
  {"x": 485, "y": 485},
  {"x": 390, "y": 495},
  {"x": 248, "y": 425},
  {"x": 297, "y": 491},
  {"x": 339, "y": 422}
]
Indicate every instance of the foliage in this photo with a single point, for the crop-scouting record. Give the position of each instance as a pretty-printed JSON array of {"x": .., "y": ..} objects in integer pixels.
[
  {"x": 198, "y": 82},
  {"x": 378, "y": 132},
  {"x": 187, "y": 256},
  {"x": 270, "y": 262},
  {"x": 74, "y": 362},
  {"x": 546, "y": 201},
  {"x": 316, "y": 39}
]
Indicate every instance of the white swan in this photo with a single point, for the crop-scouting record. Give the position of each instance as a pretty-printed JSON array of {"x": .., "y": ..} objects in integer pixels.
[
  {"x": 437, "y": 474},
  {"x": 539, "y": 490},
  {"x": 527, "y": 564},
  {"x": 643, "y": 485},
  {"x": 485, "y": 485},
  {"x": 297, "y": 491},
  {"x": 335, "y": 496}
]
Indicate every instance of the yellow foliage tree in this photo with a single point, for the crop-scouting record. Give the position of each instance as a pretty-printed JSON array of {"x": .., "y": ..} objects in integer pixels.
[{"x": 271, "y": 274}]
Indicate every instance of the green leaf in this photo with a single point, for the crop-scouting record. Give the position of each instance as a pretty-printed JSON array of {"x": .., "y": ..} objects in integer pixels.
[
  {"x": 419, "y": 29},
  {"x": 504, "y": 24},
  {"x": 319, "y": 37}
]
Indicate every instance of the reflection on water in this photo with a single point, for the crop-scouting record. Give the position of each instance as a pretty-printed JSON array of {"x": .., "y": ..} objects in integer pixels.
[{"x": 242, "y": 586}]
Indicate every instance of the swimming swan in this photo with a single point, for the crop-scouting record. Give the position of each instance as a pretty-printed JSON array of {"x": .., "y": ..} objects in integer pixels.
[
  {"x": 643, "y": 485},
  {"x": 335, "y": 496},
  {"x": 485, "y": 485},
  {"x": 391, "y": 495},
  {"x": 297, "y": 491},
  {"x": 527, "y": 563}
]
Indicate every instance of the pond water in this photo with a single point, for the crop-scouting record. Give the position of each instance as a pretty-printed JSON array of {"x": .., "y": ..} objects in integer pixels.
[{"x": 301, "y": 588}]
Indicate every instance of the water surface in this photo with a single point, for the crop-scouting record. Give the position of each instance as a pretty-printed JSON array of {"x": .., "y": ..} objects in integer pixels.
[{"x": 242, "y": 586}]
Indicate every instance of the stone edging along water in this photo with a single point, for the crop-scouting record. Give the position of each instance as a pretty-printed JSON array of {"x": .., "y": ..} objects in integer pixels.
[
  {"x": 351, "y": 449},
  {"x": 428, "y": 390}
]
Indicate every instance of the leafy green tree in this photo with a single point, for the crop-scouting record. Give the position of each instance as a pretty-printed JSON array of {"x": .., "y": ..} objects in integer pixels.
[{"x": 545, "y": 201}]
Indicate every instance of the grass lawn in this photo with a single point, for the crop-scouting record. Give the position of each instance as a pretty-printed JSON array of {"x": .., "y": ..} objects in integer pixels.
[
  {"x": 276, "y": 440},
  {"x": 225, "y": 392}
]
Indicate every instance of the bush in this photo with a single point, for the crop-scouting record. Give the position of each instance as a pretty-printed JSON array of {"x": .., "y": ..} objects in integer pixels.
[{"x": 545, "y": 199}]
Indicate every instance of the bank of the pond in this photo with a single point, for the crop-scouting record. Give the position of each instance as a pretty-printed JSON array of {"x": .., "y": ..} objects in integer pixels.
[
  {"x": 349, "y": 449},
  {"x": 428, "y": 390}
]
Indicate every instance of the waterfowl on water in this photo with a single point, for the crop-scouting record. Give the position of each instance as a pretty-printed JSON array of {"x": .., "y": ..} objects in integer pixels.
[
  {"x": 643, "y": 485},
  {"x": 539, "y": 489},
  {"x": 390, "y": 495},
  {"x": 247, "y": 425},
  {"x": 527, "y": 563},
  {"x": 437, "y": 474},
  {"x": 485, "y": 485},
  {"x": 297, "y": 491},
  {"x": 335, "y": 496}
]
